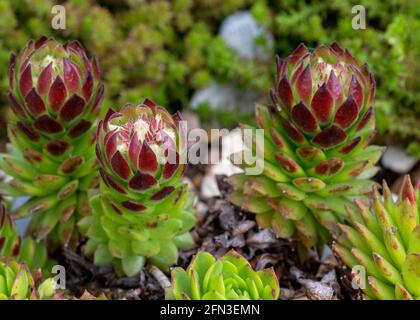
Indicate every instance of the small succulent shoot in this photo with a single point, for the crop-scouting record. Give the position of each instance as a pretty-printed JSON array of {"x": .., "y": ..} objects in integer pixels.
[
  {"x": 228, "y": 278},
  {"x": 17, "y": 282},
  {"x": 143, "y": 210},
  {"x": 12, "y": 245},
  {"x": 55, "y": 94},
  {"x": 315, "y": 153},
  {"x": 385, "y": 241}
]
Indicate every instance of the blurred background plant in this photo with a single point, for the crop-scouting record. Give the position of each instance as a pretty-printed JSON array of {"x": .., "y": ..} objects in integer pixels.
[{"x": 173, "y": 50}]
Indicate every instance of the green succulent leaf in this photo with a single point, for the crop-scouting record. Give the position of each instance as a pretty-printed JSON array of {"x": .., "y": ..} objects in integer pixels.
[{"x": 228, "y": 278}]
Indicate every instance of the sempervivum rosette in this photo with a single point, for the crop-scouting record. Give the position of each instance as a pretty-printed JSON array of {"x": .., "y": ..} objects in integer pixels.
[
  {"x": 315, "y": 153},
  {"x": 385, "y": 241},
  {"x": 12, "y": 245},
  {"x": 143, "y": 210},
  {"x": 55, "y": 94},
  {"x": 229, "y": 278},
  {"x": 17, "y": 282}
]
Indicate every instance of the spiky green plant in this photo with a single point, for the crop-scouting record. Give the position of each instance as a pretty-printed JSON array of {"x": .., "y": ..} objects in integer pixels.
[
  {"x": 385, "y": 241},
  {"x": 17, "y": 283},
  {"x": 314, "y": 153},
  {"x": 228, "y": 278},
  {"x": 143, "y": 209},
  {"x": 28, "y": 250},
  {"x": 55, "y": 95}
]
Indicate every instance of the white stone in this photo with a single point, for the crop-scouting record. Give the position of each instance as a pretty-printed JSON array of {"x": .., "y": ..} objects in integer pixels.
[
  {"x": 224, "y": 97},
  {"x": 396, "y": 159},
  {"x": 231, "y": 143},
  {"x": 240, "y": 31}
]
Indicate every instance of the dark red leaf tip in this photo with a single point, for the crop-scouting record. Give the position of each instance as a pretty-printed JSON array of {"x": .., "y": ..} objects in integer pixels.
[
  {"x": 303, "y": 118},
  {"x": 57, "y": 147},
  {"x": 322, "y": 104},
  {"x": 407, "y": 191},
  {"x": 170, "y": 167},
  {"x": 45, "y": 79},
  {"x": 286, "y": 162},
  {"x": 133, "y": 206},
  {"x": 365, "y": 119},
  {"x": 281, "y": 65},
  {"x": 48, "y": 125},
  {"x": 334, "y": 86},
  {"x": 72, "y": 108},
  {"x": 347, "y": 114},
  {"x": 356, "y": 91},
  {"x": 25, "y": 81},
  {"x": 79, "y": 128},
  {"x": 87, "y": 88},
  {"x": 15, "y": 105},
  {"x": 330, "y": 137},
  {"x": 142, "y": 181},
  {"x": 111, "y": 182},
  {"x": 147, "y": 158},
  {"x": 40, "y": 42},
  {"x": 57, "y": 94},
  {"x": 120, "y": 166},
  {"x": 116, "y": 209},
  {"x": 292, "y": 132},
  {"x": 28, "y": 131},
  {"x": 34, "y": 102},
  {"x": 98, "y": 99},
  {"x": 284, "y": 91},
  {"x": 96, "y": 68},
  {"x": 329, "y": 167},
  {"x": 71, "y": 77},
  {"x": 163, "y": 193},
  {"x": 299, "y": 52},
  {"x": 304, "y": 84},
  {"x": 71, "y": 164}
]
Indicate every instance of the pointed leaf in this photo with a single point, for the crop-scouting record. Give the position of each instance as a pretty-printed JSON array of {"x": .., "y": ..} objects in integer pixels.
[
  {"x": 74, "y": 106},
  {"x": 34, "y": 102},
  {"x": 57, "y": 94}
]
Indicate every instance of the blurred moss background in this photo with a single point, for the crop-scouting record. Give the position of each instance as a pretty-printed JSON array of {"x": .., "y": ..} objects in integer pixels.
[{"x": 169, "y": 49}]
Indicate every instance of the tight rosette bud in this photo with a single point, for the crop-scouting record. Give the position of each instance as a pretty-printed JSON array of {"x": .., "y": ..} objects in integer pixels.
[
  {"x": 143, "y": 210},
  {"x": 314, "y": 154},
  {"x": 385, "y": 241},
  {"x": 12, "y": 245},
  {"x": 17, "y": 283},
  {"x": 228, "y": 278},
  {"x": 55, "y": 95}
]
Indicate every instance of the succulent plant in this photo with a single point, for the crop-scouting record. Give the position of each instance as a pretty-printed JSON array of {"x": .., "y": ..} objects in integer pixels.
[
  {"x": 55, "y": 95},
  {"x": 143, "y": 209},
  {"x": 229, "y": 278},
  {"x": 314, "y": 154},
  {"x": 26, "y": 249},
  {"x": 17, "y": 282},
  {"x": 385, "y": 241}
]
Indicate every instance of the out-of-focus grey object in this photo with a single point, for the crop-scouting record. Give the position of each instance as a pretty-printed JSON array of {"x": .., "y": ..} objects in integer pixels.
[
  {"x": 21, "y": 224},
  {"x": 231, "y": 143},
  {"x": 396, "y": 159},
  {"x": 242, "y": 33},
  {"x": 224, "y": 96}
]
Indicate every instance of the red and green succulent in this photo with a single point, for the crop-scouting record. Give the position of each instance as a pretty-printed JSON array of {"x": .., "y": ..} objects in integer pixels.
[
  {"x": 314, "y": 154},
  {"x": 55, "y": 95},
  {"x": 24, "y": 249},
  {"x": 143, "y": 210},
  {"x": 385, "y": 240},
  {"x": 17, "y": 282}
]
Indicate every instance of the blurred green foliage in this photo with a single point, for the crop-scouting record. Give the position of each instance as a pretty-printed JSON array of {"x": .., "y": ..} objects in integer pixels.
[{"x": 168, "y": 49}]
